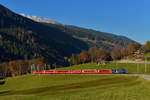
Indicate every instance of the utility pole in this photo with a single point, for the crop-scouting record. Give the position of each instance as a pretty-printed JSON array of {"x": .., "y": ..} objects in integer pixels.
[
  {"x": 145, "y": 65},
  {"x": 45, "y": 67},
  {"x": 137, "y": 68},
  {"x": 31, "y": 69}
]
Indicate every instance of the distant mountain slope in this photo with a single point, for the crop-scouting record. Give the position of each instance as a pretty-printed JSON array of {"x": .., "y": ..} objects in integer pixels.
[
  {"x": 90, "y": 37},
  {"x": 93, "y": 37},
  {"x": 22, "y": 38}
]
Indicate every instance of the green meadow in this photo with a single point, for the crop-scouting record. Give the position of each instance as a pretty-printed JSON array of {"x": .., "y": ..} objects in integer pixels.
[
  {"x": 79, "y": 86},
  {"x": 75, "y": 87}
]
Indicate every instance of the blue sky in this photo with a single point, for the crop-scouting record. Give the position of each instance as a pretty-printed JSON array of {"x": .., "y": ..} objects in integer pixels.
[{"x": 130, "y": 18}]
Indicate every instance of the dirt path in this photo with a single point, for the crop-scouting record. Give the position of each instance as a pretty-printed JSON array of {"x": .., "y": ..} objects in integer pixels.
[{"x": 147, "y": 77}]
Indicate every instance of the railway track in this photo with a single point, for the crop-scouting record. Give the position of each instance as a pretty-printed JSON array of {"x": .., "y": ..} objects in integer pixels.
[{"x": 147, "y": 77}]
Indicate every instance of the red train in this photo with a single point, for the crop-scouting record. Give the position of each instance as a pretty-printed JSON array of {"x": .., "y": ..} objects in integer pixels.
[{"x": 94, "y": 71}]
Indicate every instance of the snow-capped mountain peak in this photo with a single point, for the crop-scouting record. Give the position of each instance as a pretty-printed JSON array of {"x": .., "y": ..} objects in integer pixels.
[{"x": 39, "y": 19}]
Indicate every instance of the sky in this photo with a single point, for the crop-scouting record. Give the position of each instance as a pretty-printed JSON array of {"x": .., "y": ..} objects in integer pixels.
[{"x": 129, "y": 18}]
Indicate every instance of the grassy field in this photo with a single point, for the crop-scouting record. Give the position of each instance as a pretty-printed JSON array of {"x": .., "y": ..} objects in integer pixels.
[
  {"x": 75, "y": 87},
  {"x": 80, "y": 87},
  {"x": 131, "y": 68}
]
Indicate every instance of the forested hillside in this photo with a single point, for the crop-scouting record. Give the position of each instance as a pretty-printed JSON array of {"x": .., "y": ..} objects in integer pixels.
[
  {"x": 23, "y": 38},
  {"x": 93, "y": 37}
]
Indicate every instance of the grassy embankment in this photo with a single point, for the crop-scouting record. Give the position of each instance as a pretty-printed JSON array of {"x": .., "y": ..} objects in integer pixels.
[{"x": 75, "y": 87}]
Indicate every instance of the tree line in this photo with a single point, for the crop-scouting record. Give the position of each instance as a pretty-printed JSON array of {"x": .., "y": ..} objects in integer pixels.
[
  {"x": 20, "y": 67},
  {"x": 100, "y": 55},
  {"x": 94, "y": 54}
]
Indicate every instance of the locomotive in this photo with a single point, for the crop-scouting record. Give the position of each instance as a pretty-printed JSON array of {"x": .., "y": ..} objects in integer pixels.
[{"x": 93, "y": 71}]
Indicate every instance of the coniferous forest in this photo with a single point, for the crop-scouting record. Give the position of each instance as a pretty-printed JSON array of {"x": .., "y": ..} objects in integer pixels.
[{"x": 25, "y": 39}]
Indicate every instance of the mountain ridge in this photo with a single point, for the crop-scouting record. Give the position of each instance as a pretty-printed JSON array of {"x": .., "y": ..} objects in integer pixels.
[
  {"x": 101, "y": 38},
  {"x": 46, "y": 20},
  {"x": 23, "y": 38}
]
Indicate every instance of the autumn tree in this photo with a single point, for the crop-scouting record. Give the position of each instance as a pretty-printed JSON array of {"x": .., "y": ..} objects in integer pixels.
[
  {"x": 84, "y": 57},
  {"x": 101, "y": 55},
  {"x": 75, "y": 59},
  {"x": 124, "y": 52},
  {"x": 4, "y": 69},
  {"x": 92, "y": 53},
  {"x": 133, "y": 47},
  {"x": 11, "y": 68},
  {"x": 41, "y": 62},
  {"x": 20, "y": 67},
  {"x": 116, "y": 53},
  {"x": 147, "y": 46}
]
